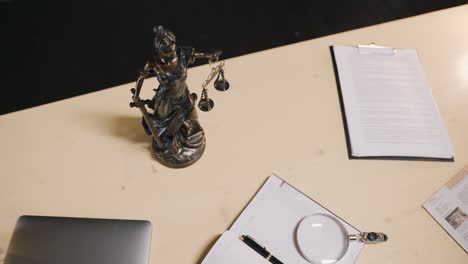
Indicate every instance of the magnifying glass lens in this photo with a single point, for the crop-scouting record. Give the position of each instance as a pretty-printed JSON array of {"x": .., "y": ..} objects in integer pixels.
[{"x": 321, "y": 239}]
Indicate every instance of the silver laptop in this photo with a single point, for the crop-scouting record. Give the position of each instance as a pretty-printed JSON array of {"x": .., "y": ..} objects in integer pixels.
[{"x": 58, "y": 240}]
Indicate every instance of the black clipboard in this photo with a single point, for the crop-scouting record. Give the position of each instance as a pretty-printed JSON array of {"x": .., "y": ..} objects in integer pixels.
[{"x": 347, "y": 136}]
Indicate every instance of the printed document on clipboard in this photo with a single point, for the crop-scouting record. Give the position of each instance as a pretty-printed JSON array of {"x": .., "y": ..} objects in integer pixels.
[{"x": 387, "y": 105}]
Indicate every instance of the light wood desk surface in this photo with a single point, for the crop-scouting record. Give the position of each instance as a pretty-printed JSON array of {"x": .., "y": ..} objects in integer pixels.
[{"x": 88, "y": 156}]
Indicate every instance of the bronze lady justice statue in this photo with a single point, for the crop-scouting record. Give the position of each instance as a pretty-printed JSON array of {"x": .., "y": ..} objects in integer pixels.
[{"x": 178, "y": 138}]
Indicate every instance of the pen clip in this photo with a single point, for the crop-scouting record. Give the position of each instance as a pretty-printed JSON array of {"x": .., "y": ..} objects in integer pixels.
[
  {"x": 252, "y": 243},
  {"x": 251, "y": 238}
]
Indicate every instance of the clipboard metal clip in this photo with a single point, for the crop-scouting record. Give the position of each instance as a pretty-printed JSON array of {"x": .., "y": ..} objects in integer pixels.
[{"x": 375, "y": 49}]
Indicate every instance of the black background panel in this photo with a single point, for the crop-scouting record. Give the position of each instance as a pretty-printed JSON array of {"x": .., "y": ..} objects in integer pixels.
[{"x": 51, "y": 50}]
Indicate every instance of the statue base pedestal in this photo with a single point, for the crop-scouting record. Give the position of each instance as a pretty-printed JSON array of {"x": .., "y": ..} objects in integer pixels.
[{"x": 178, "y": 156}]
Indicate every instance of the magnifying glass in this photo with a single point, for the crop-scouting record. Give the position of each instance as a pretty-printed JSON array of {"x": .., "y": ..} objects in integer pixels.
[{"x": 322, "y": 238}]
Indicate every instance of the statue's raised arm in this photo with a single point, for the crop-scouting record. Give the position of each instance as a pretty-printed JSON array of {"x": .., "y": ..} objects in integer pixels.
[{"x": 170, "y": 116}]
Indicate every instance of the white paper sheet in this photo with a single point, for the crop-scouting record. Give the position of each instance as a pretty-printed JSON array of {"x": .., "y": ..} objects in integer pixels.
[
  {"x": 271, "y": 218},
  {"x": 388, "y": 103}
]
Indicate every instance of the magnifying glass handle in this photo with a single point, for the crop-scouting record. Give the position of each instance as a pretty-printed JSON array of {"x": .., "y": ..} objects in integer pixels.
[{"x": 369, "y": 237}]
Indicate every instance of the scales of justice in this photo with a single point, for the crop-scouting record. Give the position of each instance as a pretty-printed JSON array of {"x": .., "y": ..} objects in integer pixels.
[{"x": 170, "y": 117}]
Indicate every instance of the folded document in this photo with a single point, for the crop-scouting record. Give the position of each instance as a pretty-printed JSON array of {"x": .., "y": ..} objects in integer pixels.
[{"x": 272, "y": 218}]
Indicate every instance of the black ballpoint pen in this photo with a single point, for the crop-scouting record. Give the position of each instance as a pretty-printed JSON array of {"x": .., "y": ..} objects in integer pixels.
[{"x": 259, "y": 249}]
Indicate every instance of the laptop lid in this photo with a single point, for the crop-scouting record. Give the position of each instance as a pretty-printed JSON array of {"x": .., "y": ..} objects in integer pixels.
[{"x": 59, "y": 240}]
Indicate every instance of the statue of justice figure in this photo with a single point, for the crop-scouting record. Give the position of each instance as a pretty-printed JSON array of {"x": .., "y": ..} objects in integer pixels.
[{"x": 170, "y": 116}]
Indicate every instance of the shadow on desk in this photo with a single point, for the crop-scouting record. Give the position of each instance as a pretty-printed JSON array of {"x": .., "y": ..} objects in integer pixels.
[
  {"x": 207, "y": 249},
  {"x": 124, "y": 127},
  {"x": 128, "y": 127}
]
